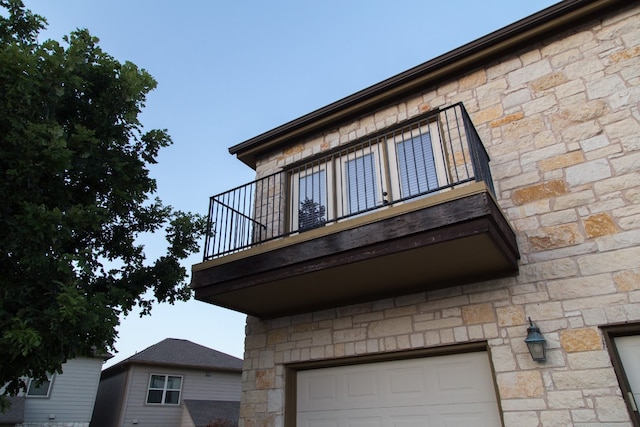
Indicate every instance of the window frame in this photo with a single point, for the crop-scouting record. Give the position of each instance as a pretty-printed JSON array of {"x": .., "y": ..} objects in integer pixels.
[
  {"x": 356, "y": 154},
  {"x": 164, "y": 389},
  {"x": 32, "y": 383},
  {"x": 432, "y": 128},
  {"x": 292, "y": 369},
  {"x": 385, "y": 187},
  {"x": 610, "y": 333},
  {"x": 296, "y": 175}
]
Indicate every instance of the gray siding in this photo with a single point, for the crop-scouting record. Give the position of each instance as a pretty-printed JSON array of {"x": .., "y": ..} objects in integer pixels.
[
  {"x": 108, "y": 401},
  {"x": 216, "y": 386},
  {"x": 71, "y": 397},
  {"x": 196, "y": 385}
]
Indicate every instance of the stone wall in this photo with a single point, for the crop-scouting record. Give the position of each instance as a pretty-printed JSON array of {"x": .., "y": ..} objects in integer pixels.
[{"x": 561, "y": 124}]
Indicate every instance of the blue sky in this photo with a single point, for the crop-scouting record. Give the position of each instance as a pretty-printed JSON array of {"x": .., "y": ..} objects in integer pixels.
[{"x": 231, "y": 70}]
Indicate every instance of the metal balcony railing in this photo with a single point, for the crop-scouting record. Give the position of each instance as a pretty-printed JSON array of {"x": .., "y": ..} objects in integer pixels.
[{"x": 426, "y": 155}]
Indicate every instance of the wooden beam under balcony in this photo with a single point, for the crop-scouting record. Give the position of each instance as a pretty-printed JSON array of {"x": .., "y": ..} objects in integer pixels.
[{"x": 457, "y": 237}]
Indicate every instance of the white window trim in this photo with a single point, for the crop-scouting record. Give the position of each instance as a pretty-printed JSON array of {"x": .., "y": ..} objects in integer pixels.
[
  {"x": 432, "y": 129},
  {"x": 327, "y": 167},
  {"x": 386, "y": 169},
  {"x": 344, "y": 203},
  {"x": 164, "y": 389},
  {"x": 39, "y": 396}
]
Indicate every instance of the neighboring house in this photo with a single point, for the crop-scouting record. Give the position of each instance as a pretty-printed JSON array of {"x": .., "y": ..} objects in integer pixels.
[
  {"x": 67, "y": 399},
  {"x": 174, "y": 383},
  {"x": 389, "y": 270}
]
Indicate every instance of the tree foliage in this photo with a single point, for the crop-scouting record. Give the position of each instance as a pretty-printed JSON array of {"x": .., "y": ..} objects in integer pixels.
[
  {"x": 75, "y": 196},
  {"x": 310, "y": 215}
]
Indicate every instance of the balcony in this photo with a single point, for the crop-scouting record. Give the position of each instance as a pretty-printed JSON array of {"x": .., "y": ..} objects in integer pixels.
[{"x": 408, "y": 209}]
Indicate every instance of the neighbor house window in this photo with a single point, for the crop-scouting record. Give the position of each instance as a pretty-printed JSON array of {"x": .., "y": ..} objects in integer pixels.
[
  {"x": 164, "y": 389},
  {"x": 37, "y": 389}
]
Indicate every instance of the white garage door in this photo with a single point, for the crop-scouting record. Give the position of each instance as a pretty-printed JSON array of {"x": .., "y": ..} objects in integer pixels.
[{"x": 442, "y": 391}]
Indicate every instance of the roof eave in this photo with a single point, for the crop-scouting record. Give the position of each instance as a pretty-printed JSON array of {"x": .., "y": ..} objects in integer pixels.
[
  {"x": 466, "y": 57},
  {"x": 124, "y": 366}
]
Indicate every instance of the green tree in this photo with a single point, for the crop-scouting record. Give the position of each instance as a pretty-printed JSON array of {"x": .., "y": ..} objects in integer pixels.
[
  {"x": 75, "y": 197},
  {"x": 310, "y": 215}
]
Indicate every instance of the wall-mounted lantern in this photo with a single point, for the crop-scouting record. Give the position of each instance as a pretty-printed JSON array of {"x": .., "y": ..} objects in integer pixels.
[{"x": 536, "y": 343}]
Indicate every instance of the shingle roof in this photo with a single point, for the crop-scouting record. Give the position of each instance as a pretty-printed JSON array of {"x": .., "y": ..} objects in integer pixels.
[
  {"x": 15, "y": 413},
  {"x": 180, "y": 353},
  {"x": 218, "y": 412}
]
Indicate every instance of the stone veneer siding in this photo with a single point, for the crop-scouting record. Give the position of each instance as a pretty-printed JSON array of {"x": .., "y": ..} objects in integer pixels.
[{"x": 561, "y": 124}]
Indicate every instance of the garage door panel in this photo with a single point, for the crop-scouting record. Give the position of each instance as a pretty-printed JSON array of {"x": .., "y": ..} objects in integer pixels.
[
  {"x": 364, "y": 422},
  {"x": 320, "y": 391},
  {"x": 406, "y": 382},
  {"x": 362, "y": 386},
  {"x": 476, "y": 415},
  {"x": 468, "y": 381},
  {"x": 379, "y": 417},
  {"x": 410, "y": 421},
  {"x": 437, "y": 391},
  {"x": 319, "y": 422},
  {"x": 464, "y": 377}
]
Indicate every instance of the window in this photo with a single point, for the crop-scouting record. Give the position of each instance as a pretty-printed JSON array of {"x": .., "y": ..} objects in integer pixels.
[
  {"x": 37, "y": 389},
  {"x": 361, "y": 190},
  {"x": 417, "y": 156},
  {"x": 311, "y": 205},
  {"x": 373, "y": 173},
  {"x": 164, "y": 389},
  {"x": 360, "y": 181},
  {"x": 312, "y": 197},
  {"x": 416, "y": 166},
  {"x": 623, "y": 343}
]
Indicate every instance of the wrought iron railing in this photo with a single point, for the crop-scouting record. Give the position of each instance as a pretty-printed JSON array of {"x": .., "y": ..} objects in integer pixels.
[{"x": 423, "y": 156}]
